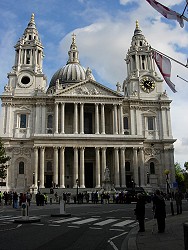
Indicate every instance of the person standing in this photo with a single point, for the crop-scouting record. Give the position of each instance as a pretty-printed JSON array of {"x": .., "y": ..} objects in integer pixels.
[
  {"x": 140, "y": 212},
  {"x": 159, "y": 208},
  {"x": 178, "y": 199}
]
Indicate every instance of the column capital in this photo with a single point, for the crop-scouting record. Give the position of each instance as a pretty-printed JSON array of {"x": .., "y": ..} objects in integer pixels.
[{"x": 55, "y": 147}]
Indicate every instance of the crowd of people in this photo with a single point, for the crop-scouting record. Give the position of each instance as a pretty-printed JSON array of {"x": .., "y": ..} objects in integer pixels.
[{"x": 14, "y": 199}]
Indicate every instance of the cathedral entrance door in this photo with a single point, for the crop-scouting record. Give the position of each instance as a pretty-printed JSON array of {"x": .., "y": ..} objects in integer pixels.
[
  {"x": 88, "y": 174},
  {"x": 48, "y": 181}
]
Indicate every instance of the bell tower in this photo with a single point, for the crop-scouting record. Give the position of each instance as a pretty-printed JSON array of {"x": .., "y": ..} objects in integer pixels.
[
  {"x": 142, "y": 80},
  {"x": 27, "y": 74}
]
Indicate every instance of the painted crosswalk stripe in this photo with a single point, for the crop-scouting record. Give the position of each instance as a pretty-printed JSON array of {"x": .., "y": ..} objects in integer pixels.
[
  {"x": 66, "y": 220},
  {"x": 105, "y": 222},
  {"x": 84, "y": 221},
  {"x": 123, "y": 223}
]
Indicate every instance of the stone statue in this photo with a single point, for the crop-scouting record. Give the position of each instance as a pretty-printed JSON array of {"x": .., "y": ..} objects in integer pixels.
[{"x": 107, "y": 174}]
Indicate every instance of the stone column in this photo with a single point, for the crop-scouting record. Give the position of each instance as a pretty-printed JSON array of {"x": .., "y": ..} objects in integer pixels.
[
  {"x": 9, "y": 122},
  {"x": 37, "y": 119},
  {"x": 169, "y": 123},
  {"x": 82, "y": 173},
  {"x": 75, "y": 118},
  {"x": 116, "y": 152},
  {"x": 96, "y": 118},
  {"x": 123, "y": 179},
  {"x": 121, "y": 119},
  {"x": 135, "y": 166},
  {"x": 62, "y": 167},
  {"x": 62, "y": 118},
  {"x": 55, "y": 177},
  {"x": 103, "y": 163},
  {"x": 43, "y": 113},
  {"x": 164, "y": 122},
  {"x": 142, "y": 169},
  {"x": 102, "y": 119},
  {"x": 56, "y": 118},
  {"x": 36, "y": 166},
  {"x": 115, "y": 119},
  {"x": 75, "y": 170},
  {"x": 97, "y": 154},
  {"x": 81, "y": 118},
  {"x": 132, "y": 111},
  {"x": 42, "y": 167}
]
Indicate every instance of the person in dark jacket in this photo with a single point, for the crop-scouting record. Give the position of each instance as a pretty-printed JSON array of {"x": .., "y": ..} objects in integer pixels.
[
  {"x": 159, "y": 208},
  {"x": 140, "y": 212}
]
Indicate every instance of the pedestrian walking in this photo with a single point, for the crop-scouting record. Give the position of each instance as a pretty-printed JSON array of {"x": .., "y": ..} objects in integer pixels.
[
  {"x": 178, "y": 199},
  {"x": 159, "y": 209},
  {"x": 140, "y": 212}
]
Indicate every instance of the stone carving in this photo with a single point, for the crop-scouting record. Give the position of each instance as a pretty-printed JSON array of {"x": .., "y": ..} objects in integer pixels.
[
  {"x": 152, "y": 151},
  {"x": 107, "y": 174},
  {"x": 7, "y": 88},
  {"x": 89, "y": 73},
  {"x": 83, "y": 90}
]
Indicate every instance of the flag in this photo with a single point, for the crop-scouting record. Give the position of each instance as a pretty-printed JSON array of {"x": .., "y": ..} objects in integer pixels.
[
  {"x": 164, "y": 65},
  {"x": 166, "y": 12}
]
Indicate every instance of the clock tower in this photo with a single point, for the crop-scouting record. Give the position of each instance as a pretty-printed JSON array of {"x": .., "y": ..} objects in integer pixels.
[
  {"x": 27, "y": 75},
  {"x": 142, "y": 80}
]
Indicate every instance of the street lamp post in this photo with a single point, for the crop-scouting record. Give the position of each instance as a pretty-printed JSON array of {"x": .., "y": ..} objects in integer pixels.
[
  {"x": 33, "y": 178},
  {"x": 147, "y": 177},
  {"x": 168, "y": 190},
  {"x": 77, "y": 189},
  {"x": 38, "y": 185}
]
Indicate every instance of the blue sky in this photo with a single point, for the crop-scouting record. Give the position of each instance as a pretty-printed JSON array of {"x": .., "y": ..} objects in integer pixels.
[{"x": 104, "y": 29}]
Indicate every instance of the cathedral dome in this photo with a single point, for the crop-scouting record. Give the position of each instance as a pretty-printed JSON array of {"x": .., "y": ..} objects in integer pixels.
[{"x": 72, "y": 72}]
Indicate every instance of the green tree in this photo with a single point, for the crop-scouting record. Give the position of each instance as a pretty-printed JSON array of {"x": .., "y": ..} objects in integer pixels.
[
  {"x": 179, "y": 174},
  {"x": 186, "y": 175},
  {"x": 3, "y": 160}
]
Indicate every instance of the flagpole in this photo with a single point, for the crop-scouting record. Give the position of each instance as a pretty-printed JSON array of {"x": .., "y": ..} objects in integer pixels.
[
  {"x": 185, "y": 65},
  {"x": 182, "y": 78},
  {"x": 182, "y": 15}
]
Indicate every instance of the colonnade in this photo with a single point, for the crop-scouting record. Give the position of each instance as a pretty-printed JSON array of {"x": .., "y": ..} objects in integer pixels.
[
  {"x": 117, "y": 167},
  {"x": 78, "y": 123}
]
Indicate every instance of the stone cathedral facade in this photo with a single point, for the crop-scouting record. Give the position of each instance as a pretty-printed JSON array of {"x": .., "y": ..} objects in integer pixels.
[{"x": 68, "y": 131}]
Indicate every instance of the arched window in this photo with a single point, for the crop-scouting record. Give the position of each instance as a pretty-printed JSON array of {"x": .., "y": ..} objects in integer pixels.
[
  {"x": 127, "y": 166},
  {"x": 50, "y": 121},
  {"x": 49, "y": 166},
  {"x": 126, "y": 122},
  {"x": 21, "y": 167},
  {"x": 152, "y": 168}
]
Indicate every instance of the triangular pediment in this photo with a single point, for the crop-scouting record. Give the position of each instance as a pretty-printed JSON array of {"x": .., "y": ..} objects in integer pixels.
[{"x": 89, "y": 88}]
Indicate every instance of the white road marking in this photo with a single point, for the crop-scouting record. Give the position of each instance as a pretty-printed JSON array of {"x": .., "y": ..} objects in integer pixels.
[
  {"x": 105, "y": 222},
  {"x": 74, "y": 226},
  {"x": 84, "y": 221},
  {"x": 116, "y": 229},
  {"x": 66, "y": 220},
  {"x": 97, "y": 228},
  {"x": 53, "y": 225},
  {"x": 123, "y": 223}
]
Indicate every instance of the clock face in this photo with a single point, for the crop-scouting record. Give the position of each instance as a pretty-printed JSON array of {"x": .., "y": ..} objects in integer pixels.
[{"x": 147, "y": 84}]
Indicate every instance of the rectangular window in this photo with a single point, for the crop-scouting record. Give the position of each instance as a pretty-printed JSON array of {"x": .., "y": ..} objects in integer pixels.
[
  {"x": 23, "y": 120},
  {"x": 150, "y": 123},
  {"x": 126, "y": 122}
]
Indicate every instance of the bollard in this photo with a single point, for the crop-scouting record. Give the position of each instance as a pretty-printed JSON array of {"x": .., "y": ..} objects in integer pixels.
[
  {"x": 50, "y": 201},
  {"x": 185, "y": 229}
]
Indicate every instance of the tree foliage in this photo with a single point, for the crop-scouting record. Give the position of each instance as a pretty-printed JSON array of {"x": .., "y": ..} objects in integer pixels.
[{"x": 3, "y": 160}]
